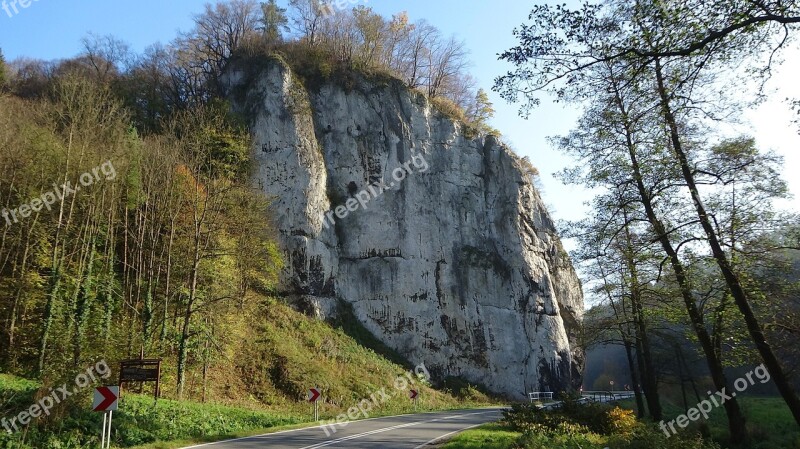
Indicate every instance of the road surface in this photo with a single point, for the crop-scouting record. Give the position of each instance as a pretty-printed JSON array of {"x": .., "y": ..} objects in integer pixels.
[{"x": 396, "y": 432}]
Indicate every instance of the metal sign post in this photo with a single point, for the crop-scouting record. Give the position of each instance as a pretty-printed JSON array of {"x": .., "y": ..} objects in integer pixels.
[
  {"x": 106, "y": 400},
  {"x": 108, "y": 440},
  {"x": 103, "y": 432},
  {"x": 313, "y": 396}
]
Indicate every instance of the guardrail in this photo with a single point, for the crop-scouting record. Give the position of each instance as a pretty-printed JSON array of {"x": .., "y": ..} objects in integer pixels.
[
  {"x": 586, "y": 397},
  {"x": 606, "y": 396},
  {"x": 540, "y": 395}
]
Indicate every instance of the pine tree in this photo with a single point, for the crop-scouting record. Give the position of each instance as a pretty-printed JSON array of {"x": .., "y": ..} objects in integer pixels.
[{"x": 274, "y": 22}]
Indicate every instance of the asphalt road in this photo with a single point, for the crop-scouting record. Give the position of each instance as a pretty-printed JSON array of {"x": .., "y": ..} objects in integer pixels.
[{"x": 396, "y": 432}]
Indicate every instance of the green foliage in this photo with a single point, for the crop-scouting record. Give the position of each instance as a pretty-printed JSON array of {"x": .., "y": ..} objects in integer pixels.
[
  {"x": 272, "y": 366},
  {"x": 621, "y": 421},
  {"x": 577, "y": 425},
  {"x": 215, "y": 139},
  {"x": 274, "y": 22},
  {"x": 481, "y": 111},
  {"x": 525, "y": 417},
  {"x": 165, "y": 216},
  {"x": 140, "y": 420},
  {"x": 596, "y": 418},
  {"x": 563, "y": 436},
  {"x": 649, "y": 437},
  {"x": 16, "y": 393},
  {"x": 463, "y": 389},
  {"x": 278, "y": 366}
]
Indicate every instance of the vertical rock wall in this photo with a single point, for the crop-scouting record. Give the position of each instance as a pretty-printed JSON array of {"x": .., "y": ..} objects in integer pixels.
[{"x": 442, "y": 245}]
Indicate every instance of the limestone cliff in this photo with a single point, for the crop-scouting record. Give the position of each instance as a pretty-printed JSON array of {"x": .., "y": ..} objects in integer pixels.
[{"x": 439, "y": 241}]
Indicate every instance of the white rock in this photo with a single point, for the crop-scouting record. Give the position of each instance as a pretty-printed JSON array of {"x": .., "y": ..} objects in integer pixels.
[{"x": 458, "y": 266}]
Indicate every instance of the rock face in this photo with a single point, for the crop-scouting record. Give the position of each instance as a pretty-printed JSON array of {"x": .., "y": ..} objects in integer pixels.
[{"x": 439, "y": 242}]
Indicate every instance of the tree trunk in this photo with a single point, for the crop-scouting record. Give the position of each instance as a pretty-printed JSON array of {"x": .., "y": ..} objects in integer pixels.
[
  {"x": 187, "y": 316},
  {"x": 19, "y": 291},
  {"x": 688, "y": 371},
  {"x": 649, "y": 383},
  {"x": 635, "y": 380},
  {"x": 735, "y": 418},
  {"x": 732, "y": 280},
  {"x": 681, "y": 379},
  {"x": 182, "y": 352}
]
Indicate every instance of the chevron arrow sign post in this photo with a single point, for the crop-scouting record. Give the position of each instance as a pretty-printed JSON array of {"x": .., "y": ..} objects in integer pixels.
[
  {"x": 313, "y": 396},
  {"x": 106, "y": 400}
]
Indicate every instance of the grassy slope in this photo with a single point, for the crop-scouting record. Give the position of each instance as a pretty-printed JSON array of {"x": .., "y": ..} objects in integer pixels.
[
  {"x": 769, "y": 421},
  {"x": 278, "y": 359}
]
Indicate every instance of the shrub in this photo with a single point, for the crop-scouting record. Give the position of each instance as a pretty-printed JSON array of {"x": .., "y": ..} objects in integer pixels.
[
  {"x": 621, "y": 421},
  {"x": 596, "y": 418},
  {"x": 522, "y": 417},
  {"x": 563, "y": 436},
  {"x": 650, "y": 437},
  {"x": 449, "y": 109},
  {"x": 460, "y": 388},
  {"x": 591, "y": 414}
]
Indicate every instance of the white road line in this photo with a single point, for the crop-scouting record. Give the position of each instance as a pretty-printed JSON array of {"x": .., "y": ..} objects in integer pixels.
[
  {"x": 250, "y": 438},
  {"x": 446, "y": 435},
  {"x": 267, "y": 435},
  {"x": 357, "y": 436},
  {"x": 387, "y": 429}
]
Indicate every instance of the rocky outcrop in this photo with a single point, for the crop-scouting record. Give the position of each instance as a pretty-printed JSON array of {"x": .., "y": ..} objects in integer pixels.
[{"x": 438, "y": 241}]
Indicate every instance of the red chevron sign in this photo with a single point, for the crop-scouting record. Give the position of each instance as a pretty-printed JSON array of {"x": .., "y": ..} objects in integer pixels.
[
  {"x": 413, "y": 394},
  {"x": 313, "y": 395},
  {"x": 106, "y": 399}
]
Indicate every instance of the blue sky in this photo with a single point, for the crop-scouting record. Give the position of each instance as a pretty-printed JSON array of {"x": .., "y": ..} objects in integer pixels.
[{"x": 51, "y": 29}]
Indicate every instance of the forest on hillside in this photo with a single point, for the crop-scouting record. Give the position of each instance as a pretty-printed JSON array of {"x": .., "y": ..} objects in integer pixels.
[{"x": 165, "y": 249}]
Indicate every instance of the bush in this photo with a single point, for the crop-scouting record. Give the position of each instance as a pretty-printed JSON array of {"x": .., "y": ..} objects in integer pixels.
[
  {"x": 460, "y": 388},
  {"x": 449, "y": 109},
  {"x": 596, "y": 418},
  {"x": 563, "y": 436},
  {"x": 620, "y": 421},
  {"x": 650, "y": 437}
]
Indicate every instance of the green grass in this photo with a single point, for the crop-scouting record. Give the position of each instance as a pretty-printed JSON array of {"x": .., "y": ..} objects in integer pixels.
[
  {"x": 279, "y": 358},
  {"x": 146, "y": 422},
  {"x": 489, "y": 436},
  {"x": 177, "y": 444},
  {"x": 13, "y": 384},
  {"x": 139, "y": 420},
  {"x": 294, "y": 352},
  {"x": 769, "y": 422}
]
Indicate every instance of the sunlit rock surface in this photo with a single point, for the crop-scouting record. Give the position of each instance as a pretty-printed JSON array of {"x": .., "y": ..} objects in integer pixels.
[{"x": 457, "y": 265}]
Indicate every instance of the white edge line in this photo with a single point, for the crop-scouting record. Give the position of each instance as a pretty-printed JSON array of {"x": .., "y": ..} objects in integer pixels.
[
  {"x": 364, "y": 434},
  {"x": 388, "y": 429},
  {"x": 447, "y": 435},
  {"x": 324, "y": 425}
]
